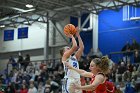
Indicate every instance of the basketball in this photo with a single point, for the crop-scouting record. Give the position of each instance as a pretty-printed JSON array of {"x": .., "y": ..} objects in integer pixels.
[{"x": 69, "y": 29}]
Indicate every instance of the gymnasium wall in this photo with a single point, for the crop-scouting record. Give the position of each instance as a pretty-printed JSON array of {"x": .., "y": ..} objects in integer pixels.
[
  {"x": 114, "y": 32},
  {"x": 36, "y": 37},
  {"x": 34, "y": 44}
]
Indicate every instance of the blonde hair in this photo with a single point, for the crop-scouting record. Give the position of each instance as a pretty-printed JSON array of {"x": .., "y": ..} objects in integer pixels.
[
  {"x": 102, "y": 63},
  {"x": 62, "y": 51}
]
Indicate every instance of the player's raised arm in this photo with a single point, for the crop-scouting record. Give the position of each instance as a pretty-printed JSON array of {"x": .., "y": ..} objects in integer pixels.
[{"x": 81, "y": 45}]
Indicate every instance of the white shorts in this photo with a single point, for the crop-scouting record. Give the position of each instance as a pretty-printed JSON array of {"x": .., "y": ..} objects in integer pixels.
[{"x": 67, "y": 86}]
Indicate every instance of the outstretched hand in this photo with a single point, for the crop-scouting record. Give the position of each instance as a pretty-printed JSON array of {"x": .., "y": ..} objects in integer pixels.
[{"x": 77, "y": 31}]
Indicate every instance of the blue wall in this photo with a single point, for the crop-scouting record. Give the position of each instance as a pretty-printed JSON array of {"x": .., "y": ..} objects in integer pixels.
[
  {"x": 114, "y": 32},
  {"x": 87, "y": 40}
]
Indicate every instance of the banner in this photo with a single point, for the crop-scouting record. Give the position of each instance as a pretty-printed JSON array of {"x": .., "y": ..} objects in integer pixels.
[
  {"x": 8, "y": 35},
  {"x": 22, "y": 32}
]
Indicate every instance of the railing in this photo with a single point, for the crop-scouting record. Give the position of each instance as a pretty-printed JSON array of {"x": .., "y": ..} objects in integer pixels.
[{"x": 123, "y": 56}]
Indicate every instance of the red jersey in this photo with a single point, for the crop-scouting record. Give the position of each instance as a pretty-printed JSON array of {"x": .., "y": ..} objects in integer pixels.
[{"x": 105, "y": 87}]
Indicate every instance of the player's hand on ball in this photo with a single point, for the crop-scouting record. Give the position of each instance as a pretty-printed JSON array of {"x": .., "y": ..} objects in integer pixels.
[{"x": 69, "y": 35}]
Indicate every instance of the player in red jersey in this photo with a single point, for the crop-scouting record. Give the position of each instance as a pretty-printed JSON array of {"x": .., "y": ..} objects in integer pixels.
[{"x": 99, "y": 68}]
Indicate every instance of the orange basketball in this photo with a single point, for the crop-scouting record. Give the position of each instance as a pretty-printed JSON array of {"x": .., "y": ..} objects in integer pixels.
[{"x": 69, "y": 29}]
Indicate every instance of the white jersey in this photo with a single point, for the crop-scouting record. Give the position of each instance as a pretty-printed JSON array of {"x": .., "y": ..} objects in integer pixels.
[{"x": 69, "y": 73}]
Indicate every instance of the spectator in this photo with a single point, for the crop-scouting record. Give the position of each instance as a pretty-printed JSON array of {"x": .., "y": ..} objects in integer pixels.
[
  {"x": 122, "y": 87},
  {"x": 30, "y": 69},
  {"x": 42, "y": 65},
  {"x": 120, "y": 71},
  {"x": 2, "y": 78},
  {"x": 118, "y": 89},
  {"x": 134, "y": 73},
  {"x": 135, "y": 45},
  {"x": 37, "y": 73},
  {"x": 127, "y": 75},
  {"x": 24, "y": 82},
  {"x": 136, "y": 57},
  {"x": 24, "y": 89},
  {"x": 138, "y": 69},
  {"x": 15, "y": 73},
  {"x": 32, "y": 89},
  {"x": 39, "y": 79},
  {"x": 12, "y": 61},
  {"x": 26, "y": 61},
  {"x": 50, "y": 66},
  {"x": 18, "y": 81},
  {"x": 47, "y": 87},
  {"x": 10, "y": 88},
  {"x": 129, "y": 88},
  {"x": 60, "y": 72},
  {"x": 91, "y": 54},
  {"x": 44, "y": 75},
  {"x": 98, "y": 53},
  {"x": 126, "y": 49},
  {"x": 130, "y": 67},
  {"x": 113, "y": 71},
  {"x": 40, "y": 88},
  {"x": 20, "y": 61}
]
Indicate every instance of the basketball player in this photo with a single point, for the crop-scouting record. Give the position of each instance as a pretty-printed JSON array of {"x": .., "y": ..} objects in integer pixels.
[
  {"x": 99, "y": 67},
  {"x": 72, "y": 76}
]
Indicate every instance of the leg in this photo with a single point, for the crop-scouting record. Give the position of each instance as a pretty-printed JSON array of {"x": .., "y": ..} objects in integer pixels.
[{"x": 67, "y": 86}]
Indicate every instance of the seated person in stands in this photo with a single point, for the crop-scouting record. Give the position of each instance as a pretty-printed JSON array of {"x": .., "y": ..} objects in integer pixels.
[
  {"x": 136, "y": 57},
  {"x": 26, "y": 61},
  {"x": 120, "y": 71},
  {"x": 12, "y": 61},
  {"x": 126, "y": 49},
  {"x": 20, "y": 61},
  {"x": 127, "y": 75},
  {"x": 134, "y": 73}
]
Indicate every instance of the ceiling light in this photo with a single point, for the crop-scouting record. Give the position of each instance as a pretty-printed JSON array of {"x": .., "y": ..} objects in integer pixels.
[
  {"x": 2, "y": 26},
  {"x": 29, "y": 6}
]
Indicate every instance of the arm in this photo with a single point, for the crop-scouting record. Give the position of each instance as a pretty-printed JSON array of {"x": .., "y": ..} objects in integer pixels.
[
  {"x": 81, "y": 46},
  {"x": 99, "y": 79},
  {"x": 80, "y": 71},
  {"x": 71, "y": 50},
  {"x": 83, "y": 72}
]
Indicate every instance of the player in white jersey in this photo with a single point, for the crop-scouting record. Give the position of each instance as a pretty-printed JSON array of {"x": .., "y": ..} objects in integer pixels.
[{"x": 72, "y": 76}]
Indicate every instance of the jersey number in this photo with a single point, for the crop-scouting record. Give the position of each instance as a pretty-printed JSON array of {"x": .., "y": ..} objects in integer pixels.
[{"x": 75, "y": 64}]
